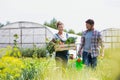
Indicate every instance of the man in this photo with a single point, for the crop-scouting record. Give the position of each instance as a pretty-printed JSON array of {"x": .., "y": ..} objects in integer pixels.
[{"x": 91, "y": 41}]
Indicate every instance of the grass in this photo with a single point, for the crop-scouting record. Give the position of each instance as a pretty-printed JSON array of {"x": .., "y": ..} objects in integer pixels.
[
  {"x": 45, "y": 68},
  {"x": 107, "y": 69}
]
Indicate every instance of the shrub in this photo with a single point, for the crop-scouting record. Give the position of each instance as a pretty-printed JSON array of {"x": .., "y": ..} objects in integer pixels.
[
  {"x": 41, "y": 52},
  {"x": 33, "y": 52},
  {"x": 11, "y": 68},
  {"x": 10, "y": 51}
]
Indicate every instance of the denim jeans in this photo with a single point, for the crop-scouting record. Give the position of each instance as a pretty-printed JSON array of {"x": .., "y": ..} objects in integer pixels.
[{"x": 88, "y": 60}]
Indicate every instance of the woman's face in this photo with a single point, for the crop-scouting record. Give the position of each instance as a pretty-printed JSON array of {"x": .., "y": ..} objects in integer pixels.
[{"x": 61, "y": 28}]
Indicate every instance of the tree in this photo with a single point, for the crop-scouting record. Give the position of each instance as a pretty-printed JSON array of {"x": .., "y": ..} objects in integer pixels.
[
  {"x": 79, "y": 33},
  {"x": 65, "y": 30},
  {"x": 52, "y": 23},
  {"x": 71, "y": 31},
  {"x": 1, "y": 25},
  {"x": 8, "y": 22}
]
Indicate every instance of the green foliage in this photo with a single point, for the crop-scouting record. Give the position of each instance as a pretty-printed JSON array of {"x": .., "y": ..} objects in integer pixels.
[
  {"x": 29, "y": 72},
  {"x": 33, "y": 52},
  {"x": 41, "y": 52},
  {"x": 70, "y": 40},
  {"x": 15, "y": 41},
  {"x": 15, "y": 52},
  {"x": 11, "y": 68},
  {"x": 71, "y": 31},
  {"x": 7, "y": 22},
  {"x": 79, "y": 34},
  {"x": 65, "y": 30},
  {"x": 11, "y": 51},
  {"x": 52, "y": 23},
  {"x": 27, "y": 52},
  {"x": 50, "y": 47},
  {"x": 1, "y": 25}
]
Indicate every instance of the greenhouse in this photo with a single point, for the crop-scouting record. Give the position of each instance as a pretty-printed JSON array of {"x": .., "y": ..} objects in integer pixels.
[
  {"x": 29, "y": 33},
  {"x": 111, "y": 37}
]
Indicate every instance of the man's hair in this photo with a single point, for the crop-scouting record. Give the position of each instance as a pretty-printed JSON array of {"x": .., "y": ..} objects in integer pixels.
[
  {"x": 59, "y": 23},
  {"x": 90, "y": 21}
]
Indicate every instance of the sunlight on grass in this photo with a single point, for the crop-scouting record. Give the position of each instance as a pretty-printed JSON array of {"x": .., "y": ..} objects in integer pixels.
[
  {"x": 107, "y": 69},
  {"x": 45, "y": 68}
]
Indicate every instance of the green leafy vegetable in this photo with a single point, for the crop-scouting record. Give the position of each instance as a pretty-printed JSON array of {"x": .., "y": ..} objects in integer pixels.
[{"x": 70, "y": 40}]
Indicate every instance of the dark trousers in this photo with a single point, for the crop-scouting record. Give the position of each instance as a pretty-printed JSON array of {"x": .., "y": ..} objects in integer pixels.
[
  {"x": 88, "y": 60},
  {"x": 61, "y": 59}
]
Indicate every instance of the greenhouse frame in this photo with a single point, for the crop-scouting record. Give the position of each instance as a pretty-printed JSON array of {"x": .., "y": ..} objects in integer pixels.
[
  {"x": 111, "y": 37},
  {"x": 29, "y": 34}
]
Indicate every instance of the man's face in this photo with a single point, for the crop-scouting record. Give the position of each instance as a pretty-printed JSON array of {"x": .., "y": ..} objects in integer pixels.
[{"x": 88, "y": 26}]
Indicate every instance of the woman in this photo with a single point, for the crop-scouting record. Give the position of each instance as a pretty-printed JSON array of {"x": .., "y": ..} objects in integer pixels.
[{"x": 61, "y": 56}]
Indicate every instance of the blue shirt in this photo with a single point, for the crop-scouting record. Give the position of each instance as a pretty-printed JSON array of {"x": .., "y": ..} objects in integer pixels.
[
  {"x": 88, "y": 37},
  {"x": 96, "y": 42}
]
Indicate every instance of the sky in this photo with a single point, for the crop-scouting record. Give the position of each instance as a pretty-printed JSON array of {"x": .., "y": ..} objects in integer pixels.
[{"x": 73, "y": 13}]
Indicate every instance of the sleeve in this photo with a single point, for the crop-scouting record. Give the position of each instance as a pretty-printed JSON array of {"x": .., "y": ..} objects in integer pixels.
[
  {"x": 100, "y": 40},
  {"x": 82, "y": 41}
]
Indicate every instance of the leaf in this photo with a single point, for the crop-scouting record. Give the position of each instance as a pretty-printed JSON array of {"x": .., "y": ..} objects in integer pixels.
[{"x": 70, "y": 40}]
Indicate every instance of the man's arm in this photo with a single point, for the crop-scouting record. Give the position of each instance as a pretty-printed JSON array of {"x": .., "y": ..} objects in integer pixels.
[
  {"x": 101, "y": 44},
  {"x": 81, "y": 44}
]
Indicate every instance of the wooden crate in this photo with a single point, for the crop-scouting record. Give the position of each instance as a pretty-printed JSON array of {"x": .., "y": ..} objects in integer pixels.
[{"x": 65, "y": 47}]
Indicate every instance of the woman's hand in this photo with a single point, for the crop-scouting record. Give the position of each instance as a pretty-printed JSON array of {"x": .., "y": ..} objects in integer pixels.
[
  {"x": 61, "y": 43},
  {"x": 79, "y": 53}
]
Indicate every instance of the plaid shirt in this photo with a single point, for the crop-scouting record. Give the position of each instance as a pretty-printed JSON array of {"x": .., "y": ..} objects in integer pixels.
[{"x": 96, "y": 42}]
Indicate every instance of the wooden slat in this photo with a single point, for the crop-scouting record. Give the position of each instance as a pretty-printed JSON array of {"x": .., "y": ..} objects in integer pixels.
[{"x": 65, "y": 47}]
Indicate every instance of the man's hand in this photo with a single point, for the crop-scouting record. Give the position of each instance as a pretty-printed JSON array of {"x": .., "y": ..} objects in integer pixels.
[{"x": 102, "y": 54}]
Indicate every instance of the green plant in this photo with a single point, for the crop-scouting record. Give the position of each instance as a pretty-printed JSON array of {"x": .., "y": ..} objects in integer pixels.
[
  {"x": 13, "y": 51},
  {"x": 29, "y": 72},
  {"x": 10, "y": 68},
  {"x": 41, "y": 52},
  {"x": 15, "y": 41},
  {"x": 50, "y": 47},
  {"x": 33, "y": 52},
  {"x": 70, "y": 40},
  {"x": 27, "y": 52}
]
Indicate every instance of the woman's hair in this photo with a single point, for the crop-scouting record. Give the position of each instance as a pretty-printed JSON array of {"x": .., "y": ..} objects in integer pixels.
[
  {"x": 90, "y": 21},
  {"x": 59, "y": 23}
]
